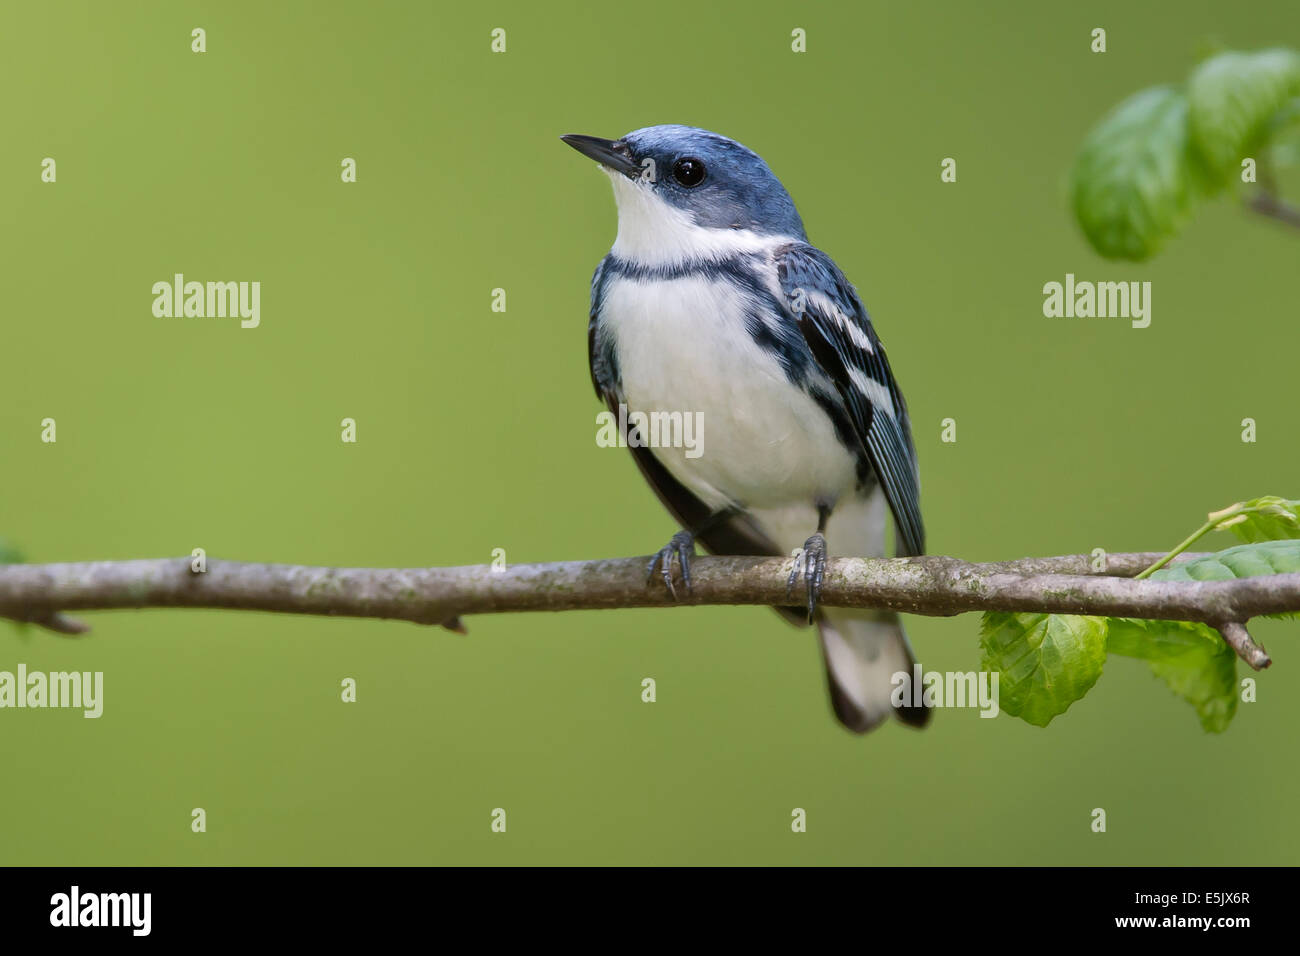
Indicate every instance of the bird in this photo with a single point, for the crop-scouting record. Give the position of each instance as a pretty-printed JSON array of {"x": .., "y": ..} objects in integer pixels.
[{"x": 713, "y": 302}]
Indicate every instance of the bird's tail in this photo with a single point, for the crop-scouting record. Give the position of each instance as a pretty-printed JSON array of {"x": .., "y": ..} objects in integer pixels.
[{"x": 863, "y": 651}]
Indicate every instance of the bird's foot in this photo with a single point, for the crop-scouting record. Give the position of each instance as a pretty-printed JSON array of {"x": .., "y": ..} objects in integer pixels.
[
  {"x": 682, "y": 546},
  {"x": 812, "y": 562}
]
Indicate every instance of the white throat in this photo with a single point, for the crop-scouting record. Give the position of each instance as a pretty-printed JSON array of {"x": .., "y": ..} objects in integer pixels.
[{"x": 653, "y": 233}]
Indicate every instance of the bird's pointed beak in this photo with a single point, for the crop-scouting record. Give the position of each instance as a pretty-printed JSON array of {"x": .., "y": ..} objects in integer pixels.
[{"x": 612, "y": 154}]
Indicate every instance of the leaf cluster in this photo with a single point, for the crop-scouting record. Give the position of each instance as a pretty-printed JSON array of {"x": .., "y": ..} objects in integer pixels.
[
  {"x": 1142, "y": 170},
  {"x": 1048, "y": 661}
]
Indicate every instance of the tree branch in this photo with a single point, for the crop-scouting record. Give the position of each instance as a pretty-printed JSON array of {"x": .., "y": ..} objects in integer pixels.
[
  {"x": 929, "y": 585},
  {"x": 1267, "y": 204},
  {"x": 1235, "y": 633}
]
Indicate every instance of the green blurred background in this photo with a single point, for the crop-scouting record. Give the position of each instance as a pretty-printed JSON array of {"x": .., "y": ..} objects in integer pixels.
[{"x": 476, "y": 429}]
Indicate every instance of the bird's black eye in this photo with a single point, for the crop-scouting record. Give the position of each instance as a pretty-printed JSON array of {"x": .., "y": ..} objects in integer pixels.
[{"x": 688, "y": 171}]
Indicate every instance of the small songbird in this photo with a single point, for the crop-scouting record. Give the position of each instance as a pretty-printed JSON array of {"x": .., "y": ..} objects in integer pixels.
[{"x": 712, "y": 302}]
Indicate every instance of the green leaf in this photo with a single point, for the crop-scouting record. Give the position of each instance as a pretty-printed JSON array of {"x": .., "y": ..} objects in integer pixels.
[
  {"x": 1284, "y": 136},
  {"x": 1135, "y": 179},
  {"x": 1232, "y": 99},
  {"x": 1242, "y": 561},
  {"x": 1046, "y": 661},
  {"x": 1206, "y": 677},
  {"x": 1155, "y": 640},
  {"x": 1193, "y": 661},
  {"x": 1272, "y": 518}
]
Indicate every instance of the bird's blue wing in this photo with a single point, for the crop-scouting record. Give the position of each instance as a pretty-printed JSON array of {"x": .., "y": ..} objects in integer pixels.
[{"x": 839, "y": 333}]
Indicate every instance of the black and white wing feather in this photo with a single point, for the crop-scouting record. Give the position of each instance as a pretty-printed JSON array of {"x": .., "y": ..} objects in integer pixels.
[{"x": 839, "y": 333}]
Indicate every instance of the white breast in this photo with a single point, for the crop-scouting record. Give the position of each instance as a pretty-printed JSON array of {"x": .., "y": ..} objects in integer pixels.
[{"x": 682, "y": 346}]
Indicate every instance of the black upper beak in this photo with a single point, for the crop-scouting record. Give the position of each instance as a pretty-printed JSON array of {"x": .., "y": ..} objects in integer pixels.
[{"x": 613, "y": 154}]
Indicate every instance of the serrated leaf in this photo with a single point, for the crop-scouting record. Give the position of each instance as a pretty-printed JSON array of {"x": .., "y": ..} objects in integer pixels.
[
  {"x": 1135, "y": 178},
  {"x": 1232, "y": 99},
  {"x": 1046, "y": 661},
  {"x": 1242, "y": 561},
  {"x": 1155, "y": 640},
  {"x": 1192, "y": 659},
  {"x": 1206, "y": 677}
]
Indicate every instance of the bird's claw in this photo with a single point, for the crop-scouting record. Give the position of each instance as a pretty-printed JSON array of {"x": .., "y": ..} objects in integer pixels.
[
  {"x": 812, "y": 562},
  {"x": 682, "y": 546}
]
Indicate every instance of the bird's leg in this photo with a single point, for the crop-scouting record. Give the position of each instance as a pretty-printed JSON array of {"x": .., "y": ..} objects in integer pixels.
[
  {"x": 683, "y": 546},
  {"x": 812, "y": 562}
]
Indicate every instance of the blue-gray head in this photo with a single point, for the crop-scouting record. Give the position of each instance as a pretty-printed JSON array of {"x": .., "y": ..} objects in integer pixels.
[{"x": 684, "y": 192}]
